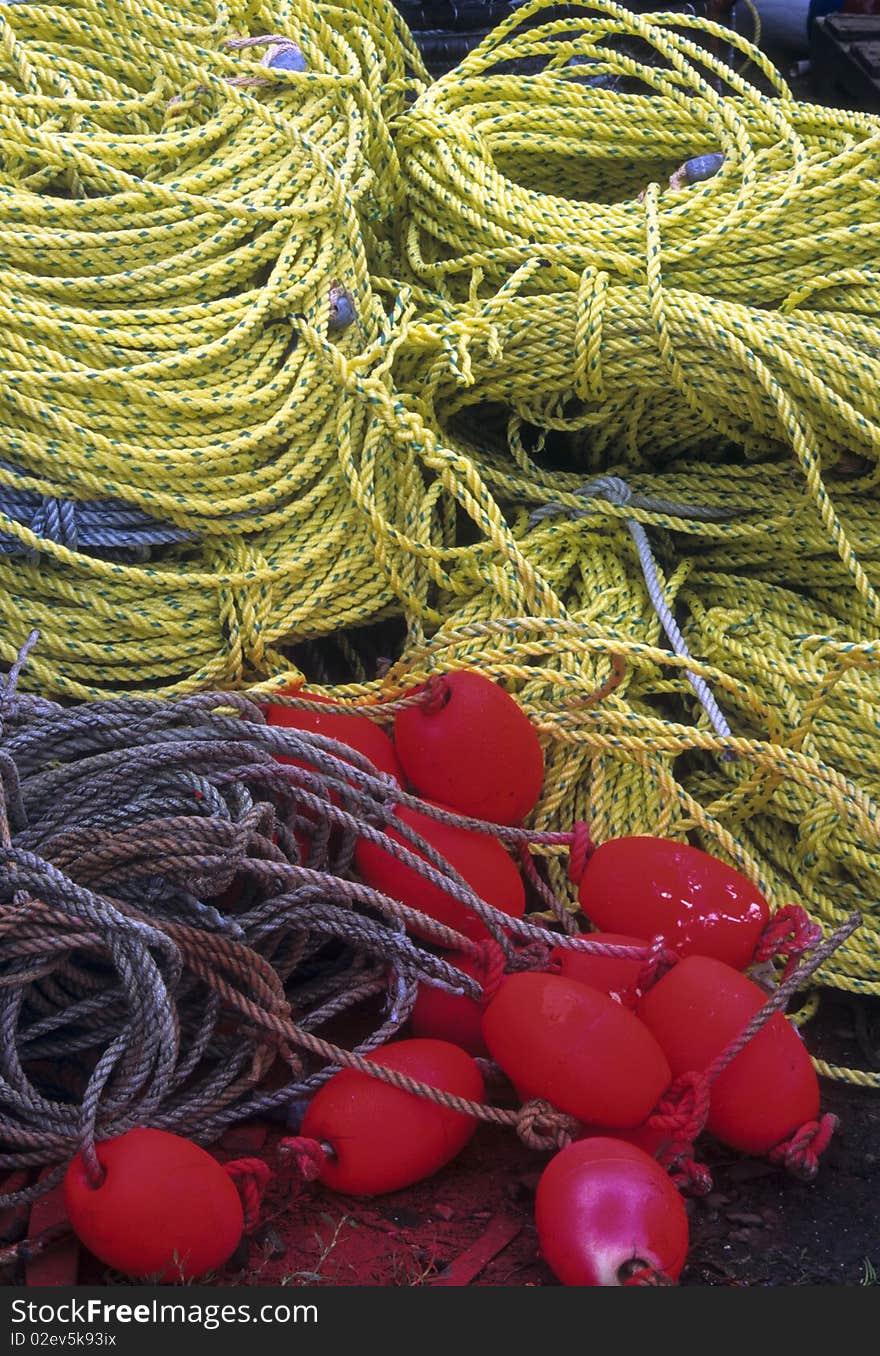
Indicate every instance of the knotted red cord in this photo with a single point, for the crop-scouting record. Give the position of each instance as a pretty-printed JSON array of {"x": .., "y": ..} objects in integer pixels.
[{"x": 251, "y": 1176}]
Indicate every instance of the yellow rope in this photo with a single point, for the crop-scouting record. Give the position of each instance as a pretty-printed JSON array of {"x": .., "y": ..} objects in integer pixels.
[{"x": 536, "y": 305}]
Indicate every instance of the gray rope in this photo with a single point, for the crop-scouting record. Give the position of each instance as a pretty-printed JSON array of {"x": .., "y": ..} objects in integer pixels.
[{"x": 616, "y": 491}]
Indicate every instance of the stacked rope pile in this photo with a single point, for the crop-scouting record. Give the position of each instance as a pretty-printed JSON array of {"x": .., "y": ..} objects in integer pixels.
[
  {"x": 296, "y": 343},
  {"x": 191, "y": 204}
]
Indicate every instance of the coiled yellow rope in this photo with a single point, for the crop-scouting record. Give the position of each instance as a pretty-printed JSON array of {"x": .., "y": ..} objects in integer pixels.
[{"x": 535, "y": 307}]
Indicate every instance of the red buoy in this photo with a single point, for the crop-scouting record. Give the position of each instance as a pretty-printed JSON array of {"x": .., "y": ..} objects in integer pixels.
[
  {"x": 653, "y": 887},
  {"x": 609, "y": 974},
  {"x": 471, "y": 747},
  {"x": 769, "y": 1089},
  {"x": 166, "y": 1209},
  {"x": 605, "y": 1210},
  {"x": 381, "y": 1139},
  {"x": 448, "y": 1016},
  {"x": 358, "y": 732},
  {"x": 480, "y": 860},
  {"x": 576, "y": 1048}
]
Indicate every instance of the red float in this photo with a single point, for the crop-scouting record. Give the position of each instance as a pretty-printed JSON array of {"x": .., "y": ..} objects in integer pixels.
[
  {"x": 609, "y": 974},
  {"x": 471, "y": 747},
  {"x": 448, "y": 1016},
  {"x": 166, "y": 1209},
  {"x": 644, "y": 1137},
  {"x": 358, "y": 732},
  {"x": 479, "y": 859},
  {"x": 576, "y": 1048},
  {"x": 769, "y": 1089},
  {"x": 382, "y": 1139},
  {"x": 655, "y": 887},
  {"x": 605, "y": 1210}
]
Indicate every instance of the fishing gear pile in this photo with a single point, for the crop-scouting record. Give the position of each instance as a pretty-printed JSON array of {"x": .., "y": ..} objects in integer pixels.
[
  {"x": 180, "y": 927},
  {"x": 566, "y": 364}
]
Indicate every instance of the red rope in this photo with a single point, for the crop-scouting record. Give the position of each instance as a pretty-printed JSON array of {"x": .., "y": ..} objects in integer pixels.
[
  {"x": 800, "y": 1153},
  {"x": 251, "y": 1176},
  {"x": 582, "y": 849},
  {"x": 646, "y": 1275},
  {"x": 308, "y": 1155},
  {"x": 790, "y": 932},
  {"x": 436, "y": 694}
]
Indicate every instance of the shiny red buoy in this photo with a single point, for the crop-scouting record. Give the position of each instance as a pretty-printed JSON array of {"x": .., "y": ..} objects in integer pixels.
[
  {"x": 358, "y": 732},
  {"x": 479, "y": 859},
  {"x": 166, "y": 1208},
  {"x": 770, "y": 1089},
  {"x": 610, "y": 974},
  {"x": 604, "y": 1210},
  {"x": 449, "y": 1016},
  {"x": 471, "y": 747},
  {"x": 652, "y": 887},
  {"x": 382, "y": 1139},
  {"x": 576, "y": 1048}
]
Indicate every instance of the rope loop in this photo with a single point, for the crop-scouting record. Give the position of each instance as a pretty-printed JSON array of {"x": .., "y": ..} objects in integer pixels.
[
  {"x": 801, "y": 1152},
  {"x": 638, "y": 1273}
]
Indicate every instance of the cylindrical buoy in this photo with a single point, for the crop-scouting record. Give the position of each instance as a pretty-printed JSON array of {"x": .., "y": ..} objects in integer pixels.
[
  {"x": 577, "y": 1048},
  {"x": 470, "y": 746},
  {"x": 651, "y": 887},
  {"x": 769, "y": 1089},
  {"x": 382, "y": 1139},
  {"x": 166, "y": 1210}
]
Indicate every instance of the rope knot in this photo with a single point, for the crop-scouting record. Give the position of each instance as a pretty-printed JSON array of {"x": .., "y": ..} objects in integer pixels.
[
  {"x": 683, "y": 1109},
  {"x": 308, "y": 1156},
  {"x": 251, "y": 1176},
  {"x": 540, "y": 1126},
  {"x": 435, "y": 694},
  {"x": 790, "y": 932},
  {"x": 800, "y": 1153}
]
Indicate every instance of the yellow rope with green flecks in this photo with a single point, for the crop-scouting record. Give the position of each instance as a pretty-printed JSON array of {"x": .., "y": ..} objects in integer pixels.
[{"x": 535, "y": 306}]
